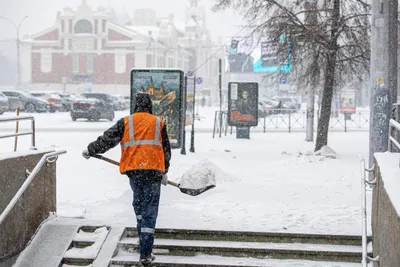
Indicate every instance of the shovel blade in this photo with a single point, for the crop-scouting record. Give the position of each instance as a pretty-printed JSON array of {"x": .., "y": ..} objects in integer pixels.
[{"x": 195, "y": 192}]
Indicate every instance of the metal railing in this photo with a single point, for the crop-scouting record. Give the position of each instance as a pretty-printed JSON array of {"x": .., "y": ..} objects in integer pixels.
[
  {"x": 22, "y": 118},
  {"x": 46, "y": 158},
  {"x": 296, "y": 120},
  {"x": 364, "y": 182}
]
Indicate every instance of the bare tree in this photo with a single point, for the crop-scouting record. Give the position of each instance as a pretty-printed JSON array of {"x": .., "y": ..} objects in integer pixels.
[{"x": 329, "y": 40}]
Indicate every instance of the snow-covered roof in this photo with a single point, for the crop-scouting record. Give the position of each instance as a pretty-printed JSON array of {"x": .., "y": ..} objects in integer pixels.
[{"x": 144, "y": 30}]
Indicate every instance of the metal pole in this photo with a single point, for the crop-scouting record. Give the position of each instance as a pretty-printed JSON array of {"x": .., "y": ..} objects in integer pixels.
[
  {"x": 215, "y": 122},
  {"x": 16, "y": 131},
  {"x": 33, "y": 134},
  {"x": 183, "y": 149},
  {"x": 364, "y": 215},
  {"x": 194, "y": 117},
  {"x": 383, "y": 73},
  {"x": 17, "y": 28},
  {"x": 220, "y": 83},
  {"x": 220, "y": 94},
  {"x": 311, "y": 18}
]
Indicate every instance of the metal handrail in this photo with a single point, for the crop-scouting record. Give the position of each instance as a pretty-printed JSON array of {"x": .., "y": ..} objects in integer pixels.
[
  {"x": 45, "y": 159},
  {"x": 22, "y": 118},
  {"x": 364, "y": 182}
]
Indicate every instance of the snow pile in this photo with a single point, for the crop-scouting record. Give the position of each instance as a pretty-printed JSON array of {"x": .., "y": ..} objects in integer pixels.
[
  {"x": 200, "y": 175},
  {"x": 90, "y": 252},
  {"x": 326, "y": 152}
]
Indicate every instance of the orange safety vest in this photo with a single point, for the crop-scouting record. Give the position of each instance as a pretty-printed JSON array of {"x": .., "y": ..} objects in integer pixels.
[{"x": 142, "y": 143}]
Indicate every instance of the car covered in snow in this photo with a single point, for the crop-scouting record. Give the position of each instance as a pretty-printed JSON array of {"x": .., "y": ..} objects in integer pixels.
[
  {"x": 54, "y": 100},
  {"x": 66, "y": 100},
  {"x": 288, "y": 103},
  {"x": 268, "y": 107},
  {"x": 26, "y": 101},
  {"x": 3, "y": 103},
  {"x": 92, "y": 109}
]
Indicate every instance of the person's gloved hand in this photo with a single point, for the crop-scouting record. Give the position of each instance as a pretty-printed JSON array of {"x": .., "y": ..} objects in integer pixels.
[
  {"x": 85, "y": 153},
  {"x": 164, "y": 180}
]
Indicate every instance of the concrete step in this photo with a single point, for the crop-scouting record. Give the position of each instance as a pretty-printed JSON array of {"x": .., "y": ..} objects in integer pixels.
[
  {"x": 341, "y": 253},
  {"x": 188, "y": 234},
  {"x": 125, "y": 259}
]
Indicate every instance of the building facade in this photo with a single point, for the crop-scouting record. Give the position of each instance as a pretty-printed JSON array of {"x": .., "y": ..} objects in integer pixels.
[{"x": 90, "y": 50}]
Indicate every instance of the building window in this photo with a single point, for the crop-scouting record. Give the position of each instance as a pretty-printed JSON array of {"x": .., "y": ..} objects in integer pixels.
[
  {"x": 90, "y": 64},
  {"x": 46, "y": 60},
  {"x": 83, "y": 26},
  {"x": 160, "y": 62},
  {"x": 148, "y": 61},
  {"x": 120, "y": 61},
  {"x": 170, "y": 62},
  {"x": 75, "y": 63}
]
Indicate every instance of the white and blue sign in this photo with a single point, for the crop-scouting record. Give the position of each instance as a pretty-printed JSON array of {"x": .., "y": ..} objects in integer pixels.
[
  {"x": 284, "y": 80},
  {"x": 199, "y": 80}
]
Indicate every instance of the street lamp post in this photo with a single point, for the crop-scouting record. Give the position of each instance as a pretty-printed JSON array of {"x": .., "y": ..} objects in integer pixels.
[{"x": 17, "y": 29}]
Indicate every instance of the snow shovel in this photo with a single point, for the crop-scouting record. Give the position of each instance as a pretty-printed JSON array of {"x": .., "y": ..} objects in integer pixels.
[{"x": 187, "y": 191}]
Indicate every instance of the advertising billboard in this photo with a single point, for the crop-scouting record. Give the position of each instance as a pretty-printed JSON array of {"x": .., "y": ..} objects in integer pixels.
[
  {"x": 348, "y": 102},
  {"x": 243, "y": 104},
  {"x": 190, "y": 87},
  {"x": 269, "y": 53},
  {"x": 166, "y": 89}
]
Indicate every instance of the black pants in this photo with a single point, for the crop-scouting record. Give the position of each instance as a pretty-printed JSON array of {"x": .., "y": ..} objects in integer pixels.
[{"x": 146, "y": 199}]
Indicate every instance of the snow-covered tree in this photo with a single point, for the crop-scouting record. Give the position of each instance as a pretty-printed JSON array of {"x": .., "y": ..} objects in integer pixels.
[{"x": 330, "y": 41}]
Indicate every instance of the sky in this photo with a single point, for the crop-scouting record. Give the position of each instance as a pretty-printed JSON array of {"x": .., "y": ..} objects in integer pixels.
[{"x": 42, "y": 14}]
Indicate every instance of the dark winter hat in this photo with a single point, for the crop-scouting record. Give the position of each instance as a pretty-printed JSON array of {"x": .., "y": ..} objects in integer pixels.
[{"x": 143, "y": 103}]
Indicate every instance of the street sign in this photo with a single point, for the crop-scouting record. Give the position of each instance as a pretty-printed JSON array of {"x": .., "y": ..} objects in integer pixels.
[
  {"x": 199, "y": 80},
  {"x": 284, "y": 80},
  {"x": 190, "y": 73}
]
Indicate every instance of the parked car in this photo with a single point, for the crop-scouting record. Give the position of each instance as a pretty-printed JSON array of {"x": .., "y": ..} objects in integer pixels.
[
  {"x": 92, "y": 109},
  {"x": 54, "y": 100},
  {"x": 3, "y": 103},
  {"x": 123, "y": 102},
  {"x": 116, "y": 103},
  {"x": 288, "y": 103},
  {"x": 67, "y": 100},
  {"x": 268, "y": 107},
  {"x": 26, "y": 101},
  {"x": 100, "y": 96}
]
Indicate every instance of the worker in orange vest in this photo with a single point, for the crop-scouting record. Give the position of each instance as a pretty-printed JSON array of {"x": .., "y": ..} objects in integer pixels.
[{"x": 145, "y": 157}]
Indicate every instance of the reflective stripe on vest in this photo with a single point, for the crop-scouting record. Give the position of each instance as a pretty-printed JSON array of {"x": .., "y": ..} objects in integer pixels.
[{"x": 133, "y": 142}]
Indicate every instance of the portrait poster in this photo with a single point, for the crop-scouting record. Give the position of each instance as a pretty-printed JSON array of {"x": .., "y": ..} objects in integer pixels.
[{"x": 243, "y": 104}]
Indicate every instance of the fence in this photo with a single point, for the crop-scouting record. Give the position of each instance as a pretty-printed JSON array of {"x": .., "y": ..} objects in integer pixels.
[{"x": 293, "y": 120}]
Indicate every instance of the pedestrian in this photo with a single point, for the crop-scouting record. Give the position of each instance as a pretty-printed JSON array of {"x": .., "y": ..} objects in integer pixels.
[{"x": 145, "y": 157}]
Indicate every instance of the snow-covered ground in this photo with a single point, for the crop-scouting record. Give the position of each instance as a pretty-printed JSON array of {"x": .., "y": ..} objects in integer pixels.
[{"x": 269, "y": 183}]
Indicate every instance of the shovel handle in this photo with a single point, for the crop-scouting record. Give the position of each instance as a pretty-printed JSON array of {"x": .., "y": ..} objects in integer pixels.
[
  {"x": 106, "y": 159},
  {"x": 117, "y": 163},
  {"x": 173, "y": 183}
]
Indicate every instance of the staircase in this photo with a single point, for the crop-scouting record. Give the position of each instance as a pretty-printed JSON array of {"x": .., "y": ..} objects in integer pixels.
[{"x": 199, "y": 248}]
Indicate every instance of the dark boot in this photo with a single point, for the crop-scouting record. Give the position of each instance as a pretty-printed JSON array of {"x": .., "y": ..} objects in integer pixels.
[{"x": 147, "y": 260}]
